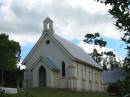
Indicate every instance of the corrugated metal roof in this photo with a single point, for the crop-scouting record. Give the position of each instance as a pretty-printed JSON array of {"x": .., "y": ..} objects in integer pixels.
[{"x": 76, "y": 51}]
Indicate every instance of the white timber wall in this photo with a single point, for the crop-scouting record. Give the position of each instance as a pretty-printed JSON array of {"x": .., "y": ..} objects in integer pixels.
[
  {"x": 86, "y": 78},
  {"x": 50, "y": 51}
]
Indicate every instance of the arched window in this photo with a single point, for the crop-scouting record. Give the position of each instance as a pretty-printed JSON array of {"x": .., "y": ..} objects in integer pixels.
[{"x": 63, "y": 69}]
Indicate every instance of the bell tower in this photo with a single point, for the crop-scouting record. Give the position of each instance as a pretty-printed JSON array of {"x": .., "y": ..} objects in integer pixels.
[{"x": 48, "y": 25}]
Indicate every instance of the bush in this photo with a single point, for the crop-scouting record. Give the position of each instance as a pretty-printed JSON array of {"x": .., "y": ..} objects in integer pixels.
[
  {"x": 2, "y": 94},
  {"x": 114, "y": 88}
]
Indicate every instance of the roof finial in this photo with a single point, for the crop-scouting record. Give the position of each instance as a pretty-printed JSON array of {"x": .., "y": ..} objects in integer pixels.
[{"x": 48, "y": 25}]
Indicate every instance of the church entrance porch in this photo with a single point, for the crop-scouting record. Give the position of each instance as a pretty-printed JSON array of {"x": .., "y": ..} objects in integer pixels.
[{"x": 42, "y": 77}]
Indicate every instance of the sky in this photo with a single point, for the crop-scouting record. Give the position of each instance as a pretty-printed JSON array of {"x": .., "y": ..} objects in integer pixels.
[{"x": 22, "y": 20}]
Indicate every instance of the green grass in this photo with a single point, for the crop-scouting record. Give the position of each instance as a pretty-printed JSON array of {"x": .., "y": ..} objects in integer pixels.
[{"x": 46, "y": 92}]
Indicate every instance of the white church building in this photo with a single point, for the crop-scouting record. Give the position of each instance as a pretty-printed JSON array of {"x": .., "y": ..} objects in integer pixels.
[{"x": 57, "y": 63}]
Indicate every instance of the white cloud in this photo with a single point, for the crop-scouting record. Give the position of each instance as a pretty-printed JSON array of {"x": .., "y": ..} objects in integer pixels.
[
  {"x": 89, "y": 5},
  {"x": 20, "y": 65},
  {"x": 72, "y": 19},
  {"x": 24, "y": 39},
  {"x": 6, "y": 11},
  {"x": 89, "y": 48}
]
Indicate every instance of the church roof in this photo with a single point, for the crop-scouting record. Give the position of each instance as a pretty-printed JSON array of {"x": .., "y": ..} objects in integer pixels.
[
  {"x": 78, "y": 53},
  {"x": 48, "y": 62}
]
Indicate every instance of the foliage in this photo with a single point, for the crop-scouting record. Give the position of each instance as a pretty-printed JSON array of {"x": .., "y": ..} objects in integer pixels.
[
  {"x": 96, "y": 56},
  {"x": 9, "y": 54},
  {"x": 103, "y": 58},
  {"x": 119, "y": 88},
  {"x": 95, "y": 39},
  {"x": 126, "y": 64},
  {"x": 13, "y": 78},
  {"x": 116, "y": 89},
  {"x": 121, "y": 12},
  {"x": 127, "y": 84},
  {"x": 111, "y": 60}
]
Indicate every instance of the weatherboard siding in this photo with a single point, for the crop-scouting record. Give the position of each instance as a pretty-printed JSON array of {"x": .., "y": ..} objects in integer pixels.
[
  {"x": 54, "y": 52},
  {"x": 86, "y": 78}
]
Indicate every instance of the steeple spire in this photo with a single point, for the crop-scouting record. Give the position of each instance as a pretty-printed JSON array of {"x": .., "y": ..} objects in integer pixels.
[{"x": 48, "y": 25}]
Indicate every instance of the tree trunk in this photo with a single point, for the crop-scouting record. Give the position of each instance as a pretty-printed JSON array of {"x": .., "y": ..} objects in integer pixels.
[{"x": 2, "y": 77}]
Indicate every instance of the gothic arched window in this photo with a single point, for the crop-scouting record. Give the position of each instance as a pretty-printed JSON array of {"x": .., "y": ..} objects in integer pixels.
[{"x": 63, "y": 69}]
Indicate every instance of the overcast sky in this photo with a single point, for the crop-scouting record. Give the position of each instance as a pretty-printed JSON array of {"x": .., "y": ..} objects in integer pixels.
[{"x": 22, "y": 20}]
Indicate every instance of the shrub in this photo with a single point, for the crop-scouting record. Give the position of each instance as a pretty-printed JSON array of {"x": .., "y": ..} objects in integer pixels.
[{"x": 114, "y": 88}]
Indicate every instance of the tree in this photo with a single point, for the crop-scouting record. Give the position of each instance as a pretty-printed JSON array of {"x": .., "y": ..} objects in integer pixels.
[
  {"x": 102, "y": 58},
  {"x": 9, "y": 54},
  {"x": 121, "y": 12},
  {"x": 111, "y": 60},
  {"x": 95, "y": 39}
]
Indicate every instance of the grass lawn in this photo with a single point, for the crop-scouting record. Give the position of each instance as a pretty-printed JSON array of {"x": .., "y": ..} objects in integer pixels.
[{"x": 46, "y": 92}]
